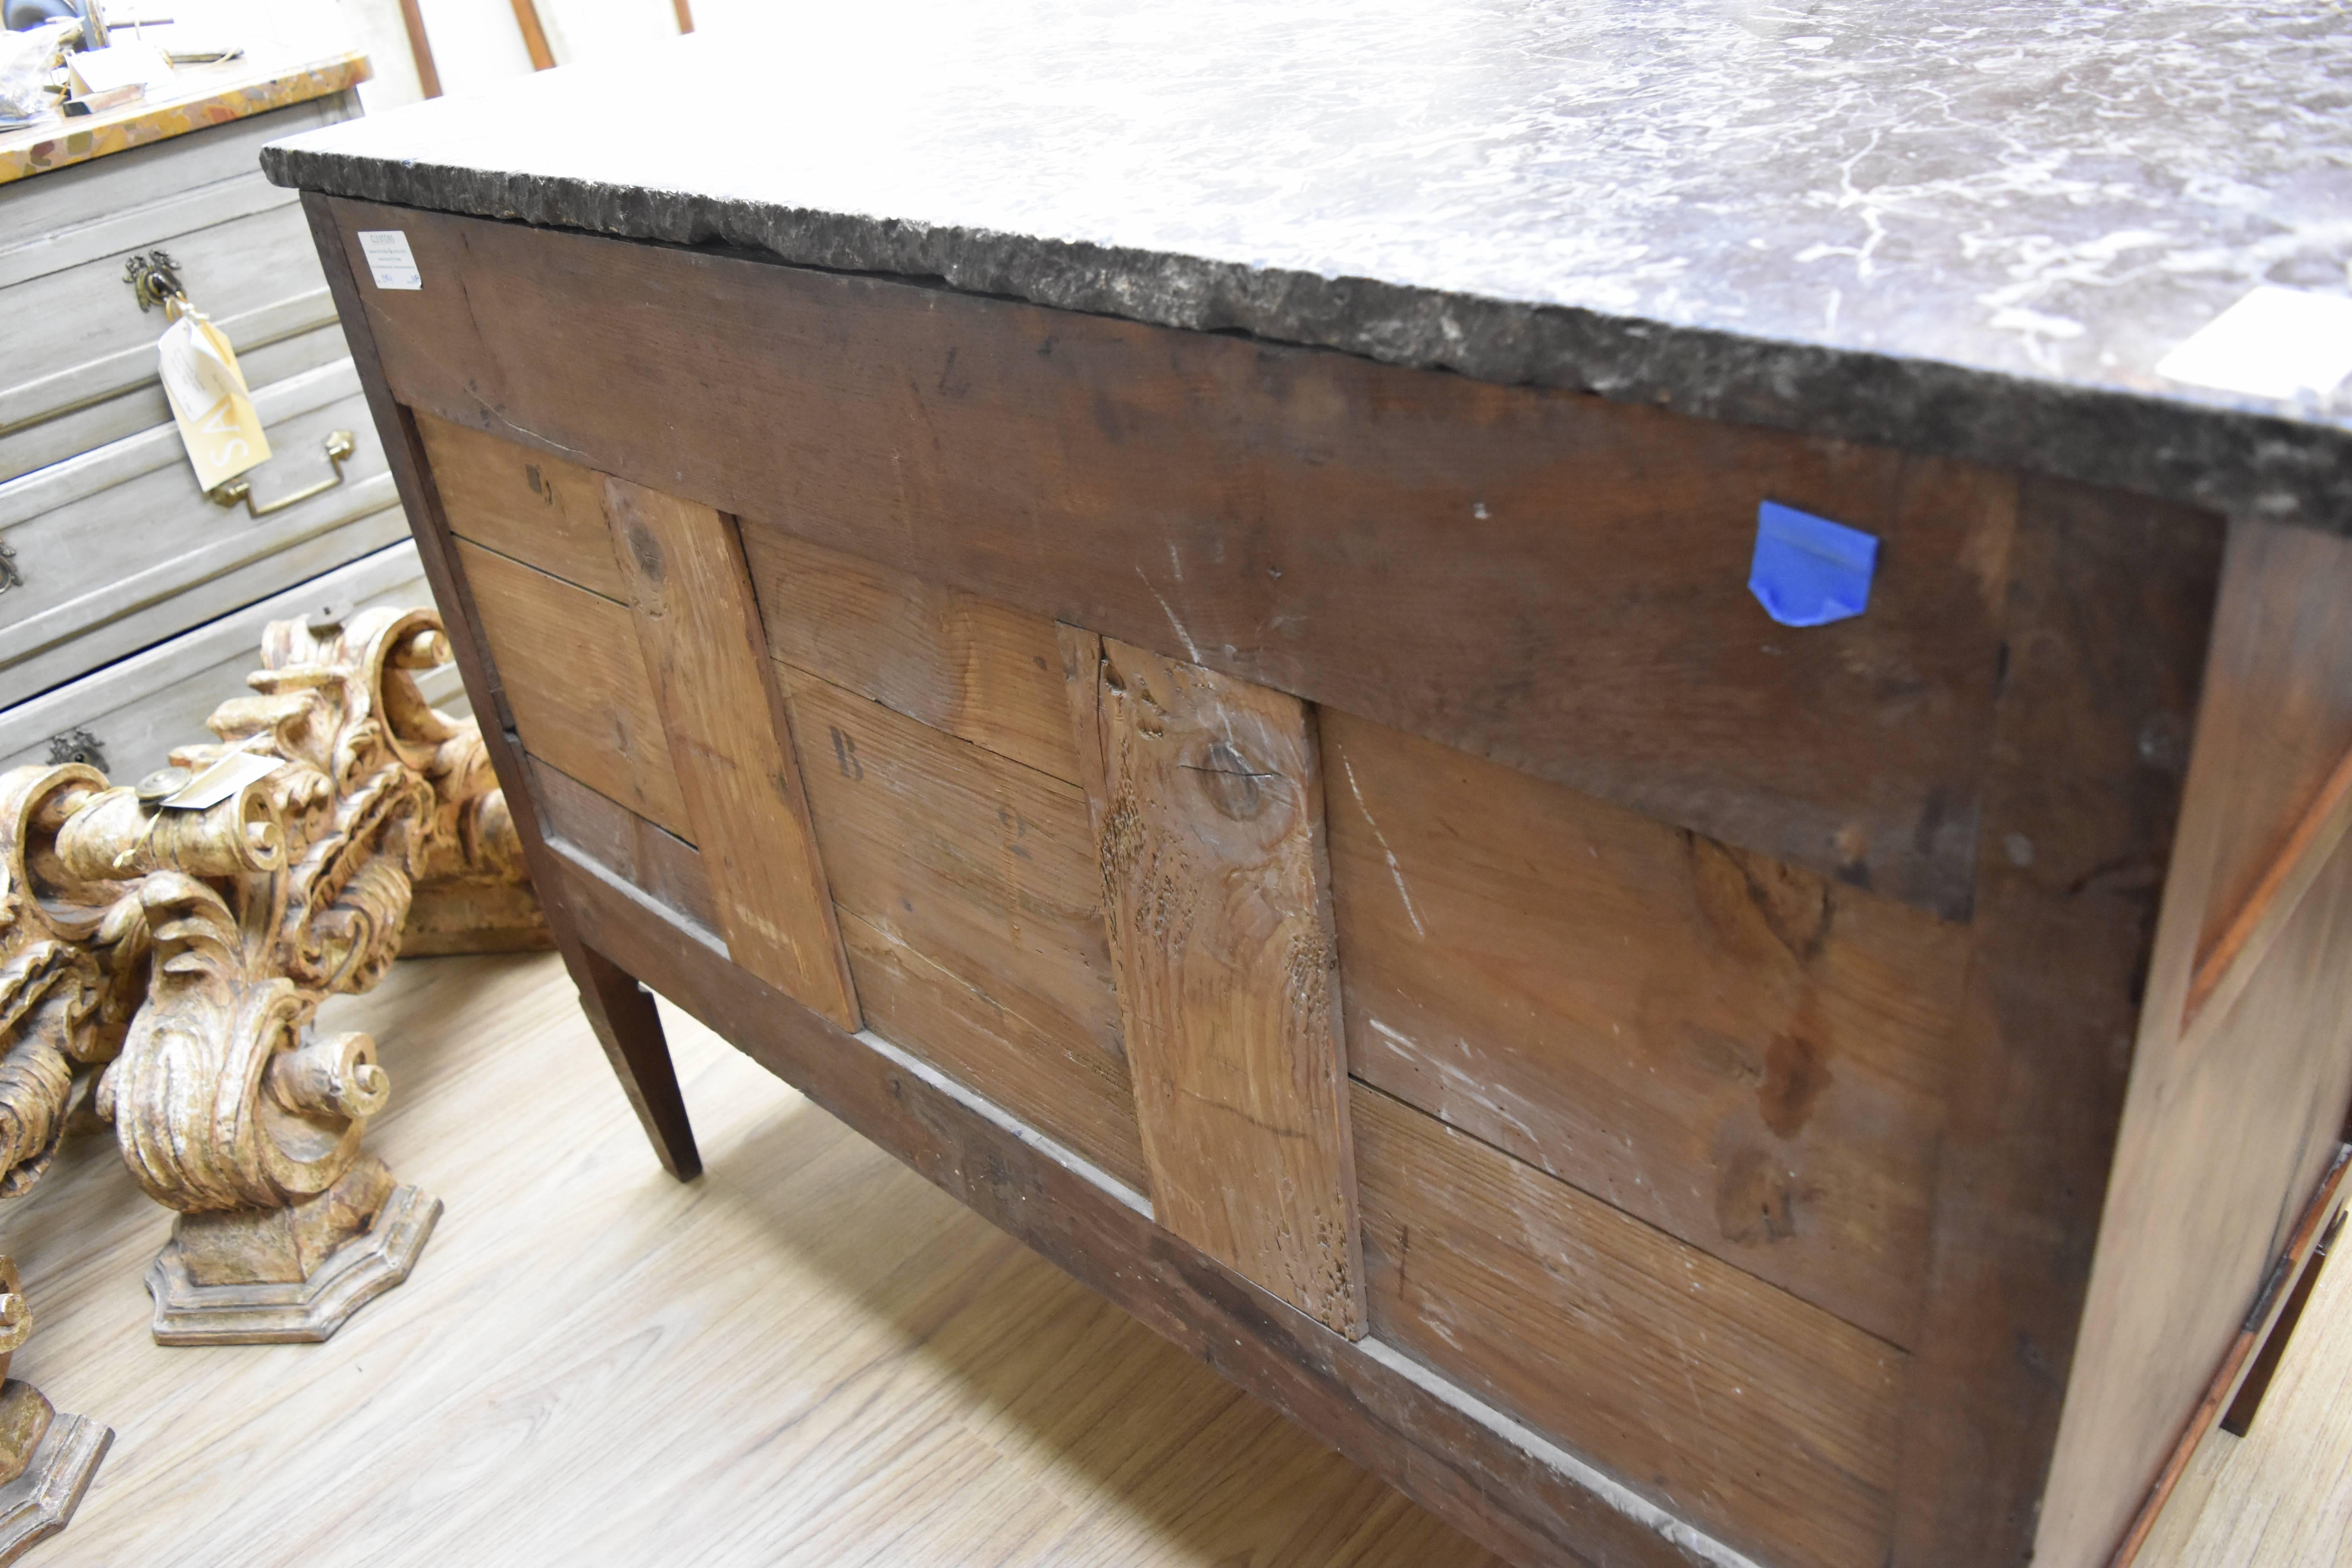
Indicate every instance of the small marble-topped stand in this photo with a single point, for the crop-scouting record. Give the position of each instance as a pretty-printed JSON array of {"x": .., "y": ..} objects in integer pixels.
[{"x": 197, "y": 97}]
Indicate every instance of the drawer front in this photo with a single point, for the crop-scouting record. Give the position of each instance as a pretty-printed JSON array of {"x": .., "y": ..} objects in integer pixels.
[
  {"x": 126, "y": 201},
  {"x": 119, "y": 548},
  {"x": 135, "y": 711},
  {"x": 78, "y": 336},
  {"x": 1550, "y": 581},
  {"x": 87, "y": 427}
]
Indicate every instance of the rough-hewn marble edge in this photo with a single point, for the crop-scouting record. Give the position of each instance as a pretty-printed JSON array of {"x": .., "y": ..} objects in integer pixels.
[{"x": 2228, "y": 460}]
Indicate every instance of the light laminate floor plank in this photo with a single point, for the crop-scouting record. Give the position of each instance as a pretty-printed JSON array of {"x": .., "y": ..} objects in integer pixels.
[{"x": 2280, "y": 1497}]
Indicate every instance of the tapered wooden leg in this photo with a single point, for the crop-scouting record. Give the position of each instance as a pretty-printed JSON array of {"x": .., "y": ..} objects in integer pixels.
[{"x": 622, "y": 1013}]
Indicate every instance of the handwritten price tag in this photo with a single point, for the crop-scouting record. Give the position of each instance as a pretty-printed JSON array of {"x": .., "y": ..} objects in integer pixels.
[{"x": 209, "y": 401}]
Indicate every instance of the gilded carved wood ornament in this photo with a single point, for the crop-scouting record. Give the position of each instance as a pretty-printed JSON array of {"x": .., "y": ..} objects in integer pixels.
[{"x": 163, "y": 952}]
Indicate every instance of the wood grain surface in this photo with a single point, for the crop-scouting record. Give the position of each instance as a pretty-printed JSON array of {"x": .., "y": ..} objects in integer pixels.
[
  {"x": 981, "y": 670},
  {"x": 2228, "y": 1121},
  {"x": 1078, "y": 1095},
  {"x": 1208, "y": 821},
  {"x": 2224, "y": 969},
  {"x": 527, "y": 505},
  {"x": 573, "y": 675},
  {"x": 1737, "y": 1050},
  {"x": 973, "y": 913},
  {"x": 2190, "y": 1239},
  {"x": 1766, "y": 1422},
  {"x": 650, "y": 857},
  {"x": 731, "y": 742},
  {"x": 1551, "y": 581},
  {"x": 2281, "y": 675}
]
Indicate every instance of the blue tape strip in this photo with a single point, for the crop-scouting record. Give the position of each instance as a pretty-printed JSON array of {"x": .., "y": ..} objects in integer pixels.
[{"x": 1809, "y": 570}]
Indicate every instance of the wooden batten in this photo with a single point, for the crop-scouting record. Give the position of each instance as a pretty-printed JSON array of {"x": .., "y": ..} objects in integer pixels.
[
  {"x": 732, "y": 742},
  {"x": 1208, "y": 820}
]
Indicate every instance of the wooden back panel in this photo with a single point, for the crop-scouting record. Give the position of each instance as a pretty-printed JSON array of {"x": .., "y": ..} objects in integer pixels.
[
  {"x": 969, "y": 916},
  {"x": 546, "y": 513},
  {"x": 974, "y": 914},
  {"x": 978, "y": 670},
  {"x": 577, "y": 681}
]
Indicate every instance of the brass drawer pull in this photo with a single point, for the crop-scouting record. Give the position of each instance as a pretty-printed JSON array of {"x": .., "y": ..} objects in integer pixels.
[
  {"x": 77, "y": 746},
  {"x": 339, "y": 445},
  {"x": 154, "y": 279}
]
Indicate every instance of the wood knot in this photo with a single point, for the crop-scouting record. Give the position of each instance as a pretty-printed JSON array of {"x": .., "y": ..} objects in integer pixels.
[{"x": 1233, "y": 785}]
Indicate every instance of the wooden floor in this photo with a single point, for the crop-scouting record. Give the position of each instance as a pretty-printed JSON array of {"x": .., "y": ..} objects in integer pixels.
[{"x": 809, "y": 1356}]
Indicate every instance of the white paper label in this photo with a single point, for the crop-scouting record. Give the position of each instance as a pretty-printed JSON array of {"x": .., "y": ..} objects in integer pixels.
[
  {"x": 2275, "y": 342},
  {"x": 390, "y": 260},
  {"x": 222, "y": 780}
]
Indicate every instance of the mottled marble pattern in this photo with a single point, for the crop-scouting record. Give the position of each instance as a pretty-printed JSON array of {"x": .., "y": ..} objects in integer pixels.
[
  {"x": 199, "y": 96},
  {"x": 1966, "y": 227}
]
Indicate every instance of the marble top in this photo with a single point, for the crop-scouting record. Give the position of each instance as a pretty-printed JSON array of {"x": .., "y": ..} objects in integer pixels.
[{"x": 1953, "y": 226}]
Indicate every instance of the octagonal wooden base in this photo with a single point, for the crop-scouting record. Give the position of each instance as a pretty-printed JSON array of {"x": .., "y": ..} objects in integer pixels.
[
  {"x": 308, "y": 1313},
  {"x": 40, "y": 1501}
]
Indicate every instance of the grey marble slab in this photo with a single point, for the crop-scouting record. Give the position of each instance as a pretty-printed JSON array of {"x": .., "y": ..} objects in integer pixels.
[{"x": 1955, "y": 226}]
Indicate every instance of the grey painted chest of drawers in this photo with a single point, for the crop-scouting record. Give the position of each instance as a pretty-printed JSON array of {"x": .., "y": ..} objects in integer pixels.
[{"x": 130, "y": 605}]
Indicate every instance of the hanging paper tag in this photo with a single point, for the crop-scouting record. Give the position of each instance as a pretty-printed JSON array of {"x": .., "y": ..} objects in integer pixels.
[{"x": 209, "y": 401}]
